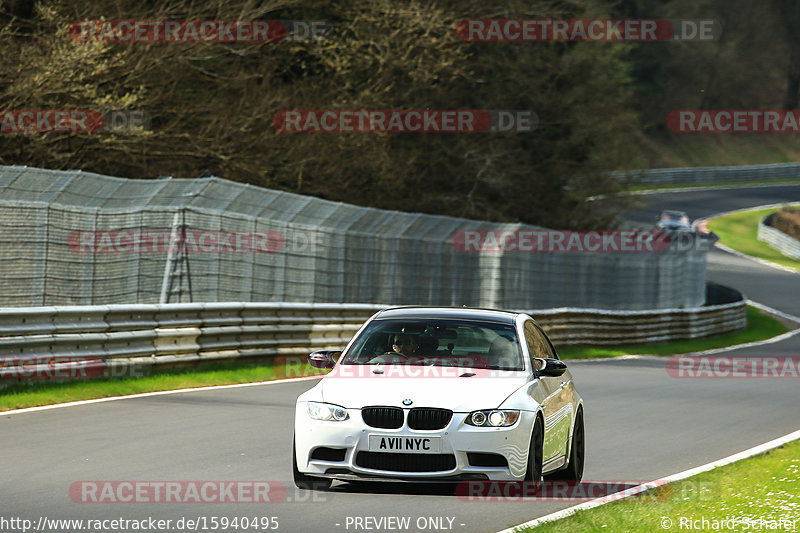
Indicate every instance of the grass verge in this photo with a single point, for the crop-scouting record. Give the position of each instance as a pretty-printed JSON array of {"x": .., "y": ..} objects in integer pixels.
[
  {"x": 756, "y": 492},
  {"x": 740, "y": 232},
  {"x": 760, "y": 326},
  {"x": 19, "y": 396}
]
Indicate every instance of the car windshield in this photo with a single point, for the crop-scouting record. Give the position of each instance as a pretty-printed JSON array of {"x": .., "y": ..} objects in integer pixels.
[
  {"x": 446, "y": 342},
  {"x": 675, "y": 216}
]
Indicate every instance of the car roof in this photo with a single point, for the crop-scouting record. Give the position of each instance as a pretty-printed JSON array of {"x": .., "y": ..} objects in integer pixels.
[
  {"x": 463, "y": 313},
  {"x": 673, "y": 212}
]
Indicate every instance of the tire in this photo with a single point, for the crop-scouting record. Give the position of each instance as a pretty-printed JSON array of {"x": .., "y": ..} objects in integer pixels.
[
  {"x": 574, "y": 469},
  {"x": 305, "y": 482},
  {"x": 534, "y": 471}
]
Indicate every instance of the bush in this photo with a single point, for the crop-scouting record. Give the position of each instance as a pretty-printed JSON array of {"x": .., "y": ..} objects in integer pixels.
[{"x": 787, "y": 220}]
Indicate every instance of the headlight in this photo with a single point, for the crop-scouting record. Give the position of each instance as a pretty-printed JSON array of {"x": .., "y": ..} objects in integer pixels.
[
  {"x": 326, "y": 411},
  {"x": 478, "y": 418},
  {"x": 493, "y": 418}
]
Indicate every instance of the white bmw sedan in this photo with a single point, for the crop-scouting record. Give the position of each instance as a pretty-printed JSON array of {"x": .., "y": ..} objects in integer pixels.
[{"x": 440, "y": 394}]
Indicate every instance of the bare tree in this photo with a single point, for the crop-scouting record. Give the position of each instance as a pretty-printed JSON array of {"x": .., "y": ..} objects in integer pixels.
[{"x": 212, "y": 104}]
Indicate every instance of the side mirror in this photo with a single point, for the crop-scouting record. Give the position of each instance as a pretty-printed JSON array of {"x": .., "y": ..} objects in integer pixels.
[
  {"x": 547, "y": 367},
  {"x": 323, "y": 358}
]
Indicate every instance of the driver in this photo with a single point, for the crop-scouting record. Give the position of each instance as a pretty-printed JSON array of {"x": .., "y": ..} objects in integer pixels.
[
  {"x": 406, "y": 344},
  {"x": 403, "y": 346}
]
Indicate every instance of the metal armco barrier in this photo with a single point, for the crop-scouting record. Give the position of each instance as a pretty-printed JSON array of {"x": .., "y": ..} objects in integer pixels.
[
  {"x": 597, "y": 326},
  {"x": 777, "y": 239},
  {"x": 711, "y": 175},
  {"x": 124, "y": 336}
]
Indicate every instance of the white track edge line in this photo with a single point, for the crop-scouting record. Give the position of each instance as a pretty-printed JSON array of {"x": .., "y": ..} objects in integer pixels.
[
  {"x": 746, "y": 454},
  {"x": 773, "y": 311},
  {"x": 756, "y": 259},
  {"x": 751, "y": 208},
  {"x": 154, "y": 393}
]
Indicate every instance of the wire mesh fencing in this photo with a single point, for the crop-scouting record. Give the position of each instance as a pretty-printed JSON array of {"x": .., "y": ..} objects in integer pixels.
[{"x": 76, "y": 238}]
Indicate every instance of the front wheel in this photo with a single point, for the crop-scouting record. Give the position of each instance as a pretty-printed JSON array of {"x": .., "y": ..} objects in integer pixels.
[
  {"x": 574, "y": 470},
  {"x": 534, "y": 471},
  {"x": 303, "y": 481}
]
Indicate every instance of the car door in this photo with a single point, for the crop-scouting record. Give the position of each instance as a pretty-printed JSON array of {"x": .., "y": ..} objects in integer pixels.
[
  {"x": 556, "y": 407},
  {"x": 565, "y": 400}
]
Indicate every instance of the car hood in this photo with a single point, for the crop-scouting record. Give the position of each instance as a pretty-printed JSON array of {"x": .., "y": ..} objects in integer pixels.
[
  {"x": 484, "y": 390},
  {"x": 674, "y": 225}
]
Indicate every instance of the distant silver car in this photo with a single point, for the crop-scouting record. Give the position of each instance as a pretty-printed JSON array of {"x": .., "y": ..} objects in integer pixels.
[
  {"x": 440, "y": 394},
  {"x": 673, "y": 220}
]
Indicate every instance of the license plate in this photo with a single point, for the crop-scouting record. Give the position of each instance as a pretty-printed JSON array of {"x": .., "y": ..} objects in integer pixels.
[{"x": 393, "y": 443}]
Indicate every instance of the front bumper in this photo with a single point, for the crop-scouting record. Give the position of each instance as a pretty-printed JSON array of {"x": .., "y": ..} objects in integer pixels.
[{"x": 457, "y": 440}]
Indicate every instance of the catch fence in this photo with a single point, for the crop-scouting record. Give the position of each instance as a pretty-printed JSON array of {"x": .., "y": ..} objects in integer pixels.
[{"x": 77, "y": 238}]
